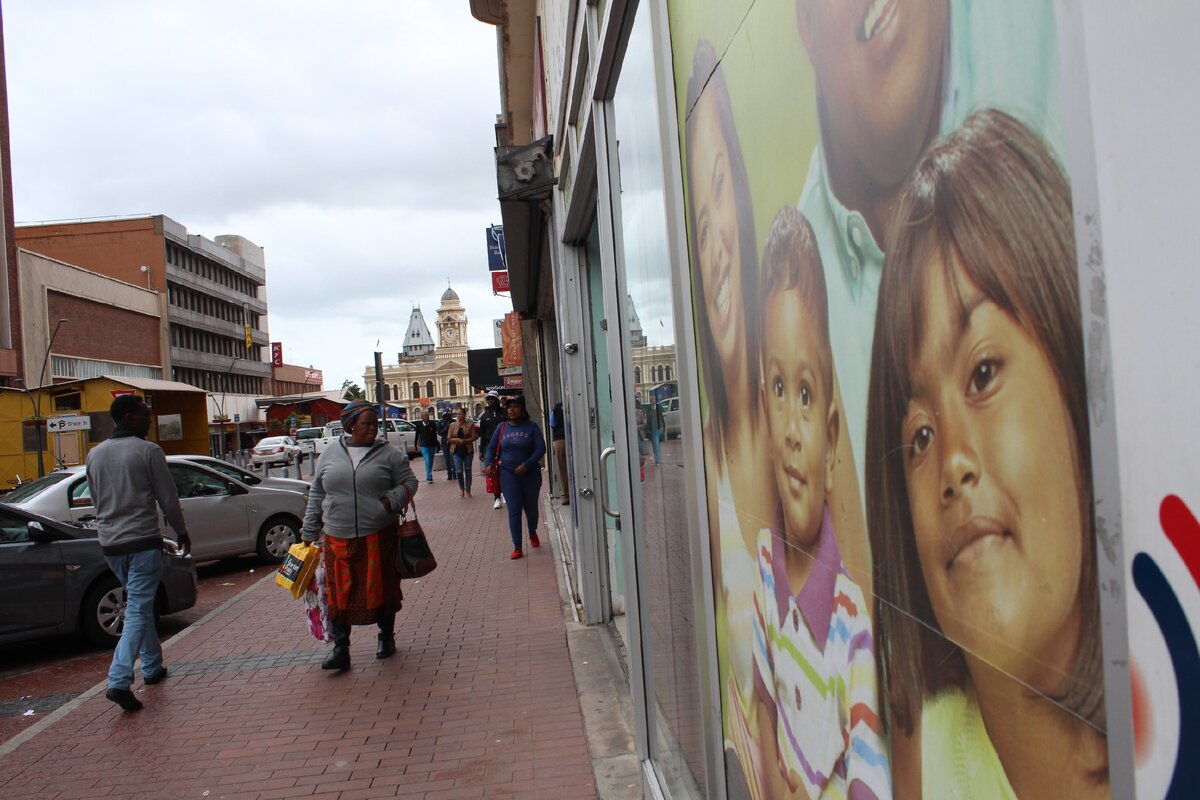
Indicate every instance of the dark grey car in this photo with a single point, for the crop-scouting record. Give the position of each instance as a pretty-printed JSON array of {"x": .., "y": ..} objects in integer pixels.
[{"x": 54, "y": 580}]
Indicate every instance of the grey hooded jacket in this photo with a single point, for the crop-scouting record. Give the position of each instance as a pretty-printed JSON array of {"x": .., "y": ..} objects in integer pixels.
[{"x": 347, "y": 503}]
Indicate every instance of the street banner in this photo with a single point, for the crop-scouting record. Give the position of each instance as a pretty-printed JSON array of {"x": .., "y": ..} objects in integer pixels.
[
  {"x": 497, "y": 257},
  {"x": 510, "y": 339},
  {"x": 500, "y": 281}
]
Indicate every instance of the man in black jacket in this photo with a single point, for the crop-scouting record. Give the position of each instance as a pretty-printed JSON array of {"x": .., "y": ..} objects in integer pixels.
[{"x": 489, "y": 420}]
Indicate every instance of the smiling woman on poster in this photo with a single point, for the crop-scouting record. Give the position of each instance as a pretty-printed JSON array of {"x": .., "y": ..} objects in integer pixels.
[
  {"x": 979, "y": 494},
  {"x": 742, "y": 495}
]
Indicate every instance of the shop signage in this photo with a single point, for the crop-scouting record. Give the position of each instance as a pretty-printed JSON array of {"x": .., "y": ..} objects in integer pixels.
[
  {"x": 513, "y": 382},
  {"x": 71, "y": 423},
  {"x": 500, "y": 281},
  {"x": 276, "y": 354},
  {"x": 314, "y": 376},
  {"x": 497, "y": 257},
  {"x": 510, "y": 339}
]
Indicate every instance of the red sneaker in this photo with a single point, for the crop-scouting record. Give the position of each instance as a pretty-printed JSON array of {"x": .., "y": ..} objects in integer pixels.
[
  {"x": 534, "y": 540},
  {"x": 516, "y": 554}
]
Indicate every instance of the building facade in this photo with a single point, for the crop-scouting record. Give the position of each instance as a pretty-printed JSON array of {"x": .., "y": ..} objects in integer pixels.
[
  {"x": 214, "y": 292},
  {"x": 428, "y": 372},
  {"x": 823, "y": 588}
]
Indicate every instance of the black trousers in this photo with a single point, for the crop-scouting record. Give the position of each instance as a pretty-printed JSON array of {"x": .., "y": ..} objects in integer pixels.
[{"x": 341, "y": 630}]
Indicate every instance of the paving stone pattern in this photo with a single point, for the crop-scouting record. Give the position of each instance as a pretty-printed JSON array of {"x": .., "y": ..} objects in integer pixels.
[{"x": 479, "y": 702}]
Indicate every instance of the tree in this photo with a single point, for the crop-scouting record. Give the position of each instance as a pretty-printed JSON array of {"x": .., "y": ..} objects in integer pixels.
[{"x": 352, "y": 391}]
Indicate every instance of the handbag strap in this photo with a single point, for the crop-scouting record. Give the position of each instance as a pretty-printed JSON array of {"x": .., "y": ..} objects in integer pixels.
[
  {"x": 412, "y": 503},
  {"x": 499, "y": 441}
]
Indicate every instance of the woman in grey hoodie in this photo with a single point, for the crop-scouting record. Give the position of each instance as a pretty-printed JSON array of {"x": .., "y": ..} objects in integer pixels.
[{"x": 359, "y": 487}]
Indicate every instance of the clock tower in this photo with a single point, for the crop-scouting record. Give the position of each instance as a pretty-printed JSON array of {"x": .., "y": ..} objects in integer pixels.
[{"x": 451, "y": 325}]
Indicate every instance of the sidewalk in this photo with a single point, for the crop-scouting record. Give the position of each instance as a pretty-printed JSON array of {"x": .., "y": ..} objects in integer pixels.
[{"x": 479, "y": 702}]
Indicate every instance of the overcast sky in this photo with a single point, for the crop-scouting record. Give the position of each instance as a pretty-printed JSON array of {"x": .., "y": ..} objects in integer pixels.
[{"x": 352, "y": 140}]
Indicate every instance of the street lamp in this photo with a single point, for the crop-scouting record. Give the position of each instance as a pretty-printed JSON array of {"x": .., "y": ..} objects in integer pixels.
[{"x": 38, "y": 423}]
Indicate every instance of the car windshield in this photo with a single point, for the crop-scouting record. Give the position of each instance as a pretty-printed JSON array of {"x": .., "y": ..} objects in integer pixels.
[
  {"x": 274, "y": 441},
  {"x": 230, "y": 471},
  {"x": 32, "y": 489}
]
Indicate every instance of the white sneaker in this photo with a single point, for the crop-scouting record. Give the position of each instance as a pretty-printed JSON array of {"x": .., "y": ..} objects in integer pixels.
[
  {"x": 497, "y": 503},
  {"x": 503, "y": 502}
]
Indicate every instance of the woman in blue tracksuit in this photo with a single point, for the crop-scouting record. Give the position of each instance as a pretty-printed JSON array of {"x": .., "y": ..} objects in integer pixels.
[{"x": 520, "y": 445}]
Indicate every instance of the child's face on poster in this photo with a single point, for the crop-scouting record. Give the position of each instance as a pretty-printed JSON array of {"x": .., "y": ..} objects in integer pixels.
[
  {"x": 878, "y": 66},
  {"x": 717, "y": 237},
  {"x": 993, "y": 486},
  {"x": 801, "y": 421}
]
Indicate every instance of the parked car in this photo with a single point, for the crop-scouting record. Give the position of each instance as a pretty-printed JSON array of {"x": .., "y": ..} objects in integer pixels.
[
  {"x": 401, "y": 434},
  {"x": 308, "y": 439},
  {"x": 244, "y": 475},
  {"x": 225, "y": 517},
  {"x": 54, "y": 580},
  {"x": 276, "y": 450},
  {"x": 671, "y": 418}
]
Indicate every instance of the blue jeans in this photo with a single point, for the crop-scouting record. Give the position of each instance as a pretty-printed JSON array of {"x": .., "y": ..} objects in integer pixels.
[
  {"x": 521, "y": 493},
  {"x": 462, "y": 468},
  {"x": 428, "y": 453},
  {"x": 449, "y": 460},
  {"x": 656, "y": 441},
  {"x": 140, "y": 574}
]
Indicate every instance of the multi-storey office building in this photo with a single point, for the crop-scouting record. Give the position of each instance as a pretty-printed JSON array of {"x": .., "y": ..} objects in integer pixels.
[{"x": 214, "y": 294}]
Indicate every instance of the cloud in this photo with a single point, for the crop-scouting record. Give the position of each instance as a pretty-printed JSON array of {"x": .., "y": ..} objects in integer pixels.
[{"x": 352, "y": 141}]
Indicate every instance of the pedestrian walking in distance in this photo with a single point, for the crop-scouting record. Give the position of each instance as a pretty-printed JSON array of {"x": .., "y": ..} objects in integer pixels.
[
  {"x": 520, "y": 446},
  {"x": 127, "y": 477},
  {"x": 427, "y": 440},
  {"x": 558, "y": 444},
  {"x": 447, "y": 451},
  {"x": 462, "y": 436},
  {"x": 489, "y": 421},
  {"x": 359, "y": 486}
]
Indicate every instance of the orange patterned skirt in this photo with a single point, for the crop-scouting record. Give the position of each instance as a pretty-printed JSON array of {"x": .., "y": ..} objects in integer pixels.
[{"x": 361, "y": 585}]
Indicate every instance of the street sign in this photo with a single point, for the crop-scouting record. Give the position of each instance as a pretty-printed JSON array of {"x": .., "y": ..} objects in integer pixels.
[
  {"x": 71, "y": 423},
  {"x": 237, "y": 417}
]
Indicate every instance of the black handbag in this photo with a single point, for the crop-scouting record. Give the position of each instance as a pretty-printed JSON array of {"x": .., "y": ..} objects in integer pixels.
[{"x": 414, "y": 559}]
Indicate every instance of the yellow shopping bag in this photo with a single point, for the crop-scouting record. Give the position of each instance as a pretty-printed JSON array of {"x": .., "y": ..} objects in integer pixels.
[{"x": 298, "y": 567}]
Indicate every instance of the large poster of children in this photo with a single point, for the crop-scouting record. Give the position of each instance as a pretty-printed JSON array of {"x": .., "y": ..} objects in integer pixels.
[{"x": 894, "y": 408}]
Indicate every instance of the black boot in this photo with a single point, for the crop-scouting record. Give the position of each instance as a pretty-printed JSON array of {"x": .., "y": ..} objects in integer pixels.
[
  {"x": 387, "y": 638},
  {"x": 339, "y": 656}
]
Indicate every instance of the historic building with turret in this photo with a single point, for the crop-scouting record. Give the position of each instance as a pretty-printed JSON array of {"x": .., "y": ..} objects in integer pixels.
[{"x": 431, "y": 367}]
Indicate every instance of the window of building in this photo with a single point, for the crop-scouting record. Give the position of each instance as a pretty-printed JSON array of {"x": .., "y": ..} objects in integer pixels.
[
  {"x": 453, "y": 388},
  {"x": 429, "y": 388},
  {"x": 416, "y": 391},
  {"x": 395, "y": 392},
  {"x": 637, "y": 374}
]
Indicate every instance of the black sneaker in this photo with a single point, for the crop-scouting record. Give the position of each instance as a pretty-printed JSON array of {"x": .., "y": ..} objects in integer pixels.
[{"x": 124, "y": 698}]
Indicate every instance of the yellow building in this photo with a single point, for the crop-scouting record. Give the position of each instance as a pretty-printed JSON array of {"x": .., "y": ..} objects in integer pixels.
[{"x": 178, "y": 421}]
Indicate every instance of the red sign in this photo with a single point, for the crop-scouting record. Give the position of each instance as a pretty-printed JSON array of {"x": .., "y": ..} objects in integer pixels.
[
  {"x": 276, "y": 354},
  {"x": 513, "y": 382},
  {"x": 118, "y": 392},
  {"x": 500, "y": 281},
  {"x": 314, "y": 376}
]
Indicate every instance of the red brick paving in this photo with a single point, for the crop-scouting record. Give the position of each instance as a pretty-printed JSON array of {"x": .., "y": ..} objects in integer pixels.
[{"x": 479, "y": 702}]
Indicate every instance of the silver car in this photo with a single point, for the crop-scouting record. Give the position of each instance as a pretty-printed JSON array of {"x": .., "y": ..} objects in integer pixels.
[
  {"x": 225, "y": 517},
  {"x": 244, "y": 475},
  {"x": 276, "y": 450}
]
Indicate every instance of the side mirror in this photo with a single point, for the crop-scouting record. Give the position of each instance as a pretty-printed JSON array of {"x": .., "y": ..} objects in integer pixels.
[
  {"x": 39, "y": 534},
  {"x": 237, "y": 488}
]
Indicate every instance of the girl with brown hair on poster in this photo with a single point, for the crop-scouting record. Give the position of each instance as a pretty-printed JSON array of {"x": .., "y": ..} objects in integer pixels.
[
  {"x": 741, "y": 489},
  {"x": 979, "y": 497}
]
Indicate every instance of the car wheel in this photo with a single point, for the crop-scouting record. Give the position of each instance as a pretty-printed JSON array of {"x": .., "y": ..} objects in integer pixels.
[
  {"x": 102, "y": 617},
  {"x": 276, "y": 536}
]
